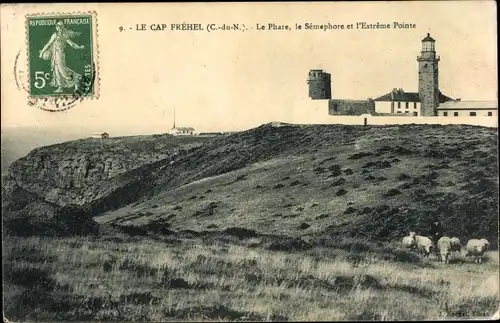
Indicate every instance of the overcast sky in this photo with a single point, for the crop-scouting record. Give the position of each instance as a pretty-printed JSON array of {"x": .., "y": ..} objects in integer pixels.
[{"x": 231, "y": 80}]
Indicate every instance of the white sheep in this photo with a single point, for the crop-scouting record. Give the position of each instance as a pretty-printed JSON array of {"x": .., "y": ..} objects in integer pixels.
[
  {"x": 486, "y": 243},
  {"x": 409, "y": 241},
  {"x": 424, "y": 245},
  {"x": 476, "y": 248},
  {"x": 444, "y": 247},
  {"x": 456, "y": 245}
]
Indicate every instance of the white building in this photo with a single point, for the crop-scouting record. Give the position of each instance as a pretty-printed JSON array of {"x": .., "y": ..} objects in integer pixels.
[
  {"x": 460, "y": 108},
  {"x": 103, "y": 135},
  {"x": 398, "y": 102},
  {"x": 405, "y": 103},
  {"x": 182, "y": 131}
]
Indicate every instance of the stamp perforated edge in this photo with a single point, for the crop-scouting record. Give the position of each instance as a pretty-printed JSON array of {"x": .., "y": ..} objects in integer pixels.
[{"x": 95, "y": 49}]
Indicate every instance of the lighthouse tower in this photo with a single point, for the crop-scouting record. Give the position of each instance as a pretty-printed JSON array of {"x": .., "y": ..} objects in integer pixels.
[{"x": 428, "y": 77}]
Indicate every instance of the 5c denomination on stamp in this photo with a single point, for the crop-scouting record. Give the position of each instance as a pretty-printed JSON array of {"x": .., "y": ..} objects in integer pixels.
[{"x": 62, "y": 56}]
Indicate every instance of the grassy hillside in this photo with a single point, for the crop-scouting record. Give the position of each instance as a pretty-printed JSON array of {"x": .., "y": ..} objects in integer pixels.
[
  {"x": 376, "y": 183},
  {"x": 272, "y": 224}
]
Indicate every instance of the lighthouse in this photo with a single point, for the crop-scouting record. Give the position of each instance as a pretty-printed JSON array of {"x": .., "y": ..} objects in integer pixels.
[{"x": 428, "y": 77}]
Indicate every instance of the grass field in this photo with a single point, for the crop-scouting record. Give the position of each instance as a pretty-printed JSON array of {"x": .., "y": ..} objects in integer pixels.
[{"x": 188, "y": 279}]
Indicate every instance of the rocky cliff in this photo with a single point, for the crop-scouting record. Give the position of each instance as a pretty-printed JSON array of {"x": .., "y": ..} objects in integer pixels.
[{"x": 52, "y": 180}]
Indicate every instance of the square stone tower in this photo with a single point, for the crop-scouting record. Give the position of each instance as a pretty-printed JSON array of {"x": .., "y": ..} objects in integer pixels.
[{"x": 428, "y": 77}]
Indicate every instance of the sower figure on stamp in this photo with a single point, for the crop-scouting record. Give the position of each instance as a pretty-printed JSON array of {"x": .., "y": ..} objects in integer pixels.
[{"x": 62, "y": 76}]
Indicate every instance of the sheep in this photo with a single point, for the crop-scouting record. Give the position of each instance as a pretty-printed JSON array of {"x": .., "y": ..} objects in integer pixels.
[
  {"x": 456, "y": 245},
  {"x": 486, "y": 243},
  {"x": 476, "y": 248},
  {"x": 409, "y": 241},
  {"x": 444, "y": 246},
  {"x": 424, "y": 245}
]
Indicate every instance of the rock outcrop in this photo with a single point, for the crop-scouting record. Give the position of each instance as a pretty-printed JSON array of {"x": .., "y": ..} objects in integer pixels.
[{"x": 56, "y": 181}]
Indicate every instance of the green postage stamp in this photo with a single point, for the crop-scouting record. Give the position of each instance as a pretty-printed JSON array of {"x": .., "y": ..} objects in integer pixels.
[{"x": 62, "y": 56}]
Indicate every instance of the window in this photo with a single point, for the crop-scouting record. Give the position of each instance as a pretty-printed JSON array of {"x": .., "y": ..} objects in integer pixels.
[
  {"x": 335, "y": 108},
  {"x": 414, "y": 105},
  {"x": 415, "y": 114},
  {"x": 399, "y": 105},
  {"x": 490, "y": 114},
  {"x": 407, "y": 103},
  {"x": 428, "y": 46},
  {"x": 445, "y": 114},
  {"x": 472, "y": 114},
  {"x": 399, "y": 111},
  {"x": 407, "y": 111},
  {"x": 455, "y": 114}
]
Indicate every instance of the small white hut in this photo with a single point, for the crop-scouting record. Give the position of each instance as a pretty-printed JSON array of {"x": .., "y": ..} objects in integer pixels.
[{"x": 103, "y": 135}]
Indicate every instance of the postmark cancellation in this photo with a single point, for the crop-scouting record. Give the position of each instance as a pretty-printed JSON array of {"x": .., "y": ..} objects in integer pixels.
[{"x": 62, "y": 59}]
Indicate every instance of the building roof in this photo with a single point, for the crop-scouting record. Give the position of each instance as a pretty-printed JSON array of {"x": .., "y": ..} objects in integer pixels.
[
  {"x": 429, "y": 38},
  {"x": 400, "y": 95},
  {"x": 469, "y": 105},
  {"x": 443, "y": 98}
]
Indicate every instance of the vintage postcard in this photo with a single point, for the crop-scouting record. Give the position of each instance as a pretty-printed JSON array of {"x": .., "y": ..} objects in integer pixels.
[{"x": 268, "y": 161}]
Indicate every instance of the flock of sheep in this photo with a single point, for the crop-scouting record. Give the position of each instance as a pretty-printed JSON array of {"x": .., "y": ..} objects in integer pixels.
[{"x": 445, "y": 246}]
